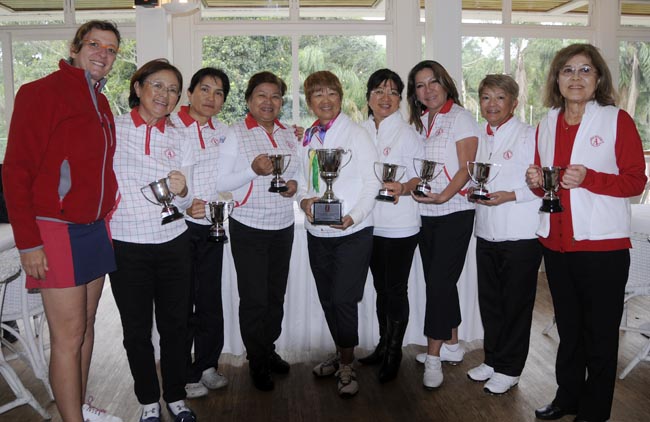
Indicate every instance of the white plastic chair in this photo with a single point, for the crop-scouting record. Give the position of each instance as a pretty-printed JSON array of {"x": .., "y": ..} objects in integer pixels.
[
  {"x": 638, "y": 284},
  {"x": 11, "y": 276}
]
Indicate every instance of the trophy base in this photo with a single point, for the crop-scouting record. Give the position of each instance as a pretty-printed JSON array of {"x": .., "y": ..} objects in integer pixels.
[
  {"x": 551, "y": 206},
  {"x": 281, "y": 188},
  {"x": 385, "y": 197},
  {"x": 327, "y": 213},
  {"x": 218, "y": 239},
  {"x": 480, "y": 194},
  {"x": 421, "y": 190},
  {"x": 170, "y": 214}
]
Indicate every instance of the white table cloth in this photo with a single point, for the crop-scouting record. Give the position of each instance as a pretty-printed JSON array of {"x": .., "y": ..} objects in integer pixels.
[{"x": 304, "y": 328}]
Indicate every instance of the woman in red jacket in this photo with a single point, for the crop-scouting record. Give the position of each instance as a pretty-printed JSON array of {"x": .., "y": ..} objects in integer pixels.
[{"x": 59, "y": 187}]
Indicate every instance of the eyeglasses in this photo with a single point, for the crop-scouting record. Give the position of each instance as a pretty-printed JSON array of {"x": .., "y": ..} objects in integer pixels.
[
  {"x": 380, "y": 92},
  {"x": 582, "y": 71},
  {"x": 160, "y": 88},
  {"x": 95, "y": 46}
]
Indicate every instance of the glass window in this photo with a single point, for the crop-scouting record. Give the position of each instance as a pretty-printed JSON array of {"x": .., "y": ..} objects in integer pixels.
[
  {"x": 118, "y": 81},
  {"x": 476, "y": 11},
  {"x": 34, "y": 59},
  {"x": 21, "y": 12},
  {"x": 531, "y": 58},
  {"x": 118, "y": 11},
  {"x": 343, "y": 10},
  {"x": 481, "y": 56},
  {"x": 635, "y": 13},
  {"x": 634, "y": 85},
  {"x": 241, "y": 57},
  {"x": 246, "y": 10},
  {"x": 558, "y": 12},
  {"x": 352, "y": 59}
]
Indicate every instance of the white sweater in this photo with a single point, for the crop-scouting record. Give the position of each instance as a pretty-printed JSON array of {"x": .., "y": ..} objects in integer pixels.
[
  {"x": 512, "y": 146},
  {"x": 356, "y": 186},
  {"x": 397, "y": 143}
]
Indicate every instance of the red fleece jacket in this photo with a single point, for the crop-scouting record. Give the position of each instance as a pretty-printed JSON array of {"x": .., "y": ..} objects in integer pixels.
[{"x": 59, "y": 159}]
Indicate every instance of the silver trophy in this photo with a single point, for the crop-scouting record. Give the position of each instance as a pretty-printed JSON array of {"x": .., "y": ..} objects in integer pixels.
[
  {"x": 386, "y": 173},
  {"x": 481, "y": 174},
  {"x": 426, "y": 171},
  {"x": 550, "y": 185},
  {"x": 328, "y": 208},
  {"x": 218, "y": 212},
  {"x": 279, "y": 167},
  {"x": 164, "y": 197}
]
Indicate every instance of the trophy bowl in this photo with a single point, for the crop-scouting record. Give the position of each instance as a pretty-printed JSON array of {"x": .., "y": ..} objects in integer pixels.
[
  {"x": 328, "y": 208},
  {"x": 387, "y": 173},
  {"x": 425, "y": 169},
  {"x": 279, "y": 167},
  {"x": 163, "y": 197},
  {"x": 218, "y": 212},
  {"x": 481, "y": 174},
  {"x": 550, "y": 186}
]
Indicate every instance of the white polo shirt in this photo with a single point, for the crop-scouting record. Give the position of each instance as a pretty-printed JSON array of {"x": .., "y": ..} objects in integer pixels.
[{"x": 143, "y": 155}]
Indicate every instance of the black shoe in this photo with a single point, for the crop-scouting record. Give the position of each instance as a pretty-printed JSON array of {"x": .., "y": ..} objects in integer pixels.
[
  {"x": 551, "y": 412},
  {"x": 277, "y": 364},
  {"x": 393, "y": 355},
  {"x": 262, "y": 379},
  {"x": 376, "y": 357}
]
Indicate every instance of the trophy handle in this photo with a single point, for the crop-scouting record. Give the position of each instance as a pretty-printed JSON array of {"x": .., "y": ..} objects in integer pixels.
[
  {"x": 172, "y": 194},
  {"x": 349, "y": 159},
  {"x": 374, "y": 168},
  {"x": 206, "y": 208},
  {"x": 230, "y": 205},
  {"x": 470, "y": 172},
  {"x": 288, "y": 162},
  {"x": 142, "y": 190}
]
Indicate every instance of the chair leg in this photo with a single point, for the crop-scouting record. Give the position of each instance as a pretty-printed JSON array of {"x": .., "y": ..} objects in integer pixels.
[
  {"x": 644, "y": 354},
  {"x": 23, "y": 395}
]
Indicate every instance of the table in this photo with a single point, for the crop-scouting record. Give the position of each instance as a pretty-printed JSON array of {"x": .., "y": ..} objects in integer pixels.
[{"x": 304, "y": 328}]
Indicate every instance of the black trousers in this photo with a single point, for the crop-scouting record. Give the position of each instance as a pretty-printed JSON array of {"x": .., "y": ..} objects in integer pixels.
[
  {"x": 262, "y": 262},
  {"x": 340, "y": 268},
  {"x": 588, "y": 289},
  {"x": 205, "y": 316},
  {"x": 443, "y": 248},
  {"x": 148, "y": 275},
  {"x": 507, "y": 282},
  {"x": 390, "y": 265}
]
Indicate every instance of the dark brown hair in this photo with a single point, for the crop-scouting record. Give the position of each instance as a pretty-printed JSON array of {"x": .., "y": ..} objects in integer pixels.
[
  {"x": 148, "y": 69},
  {"x": 319, "y": 80},
  {"x": 605, "y": 93},
  {"x": 264, "y": 78},
  {"x": 83, "y": 30},
  {"x": 416, "y": 108}
]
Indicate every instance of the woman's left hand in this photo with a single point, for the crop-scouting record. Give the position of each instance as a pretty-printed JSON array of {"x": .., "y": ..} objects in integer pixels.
[
  {"x": 346, "y": 222},
  {"x": 573, "y": 177},
  {"x": 298, "y": 131},
  {"x": 292, "y": 186},
  {"x": 430, "y": 198},
  {"x": 177, "y": 184},
  {"x": 497, "y": 198},
  {"x": 394, "y": 188}
]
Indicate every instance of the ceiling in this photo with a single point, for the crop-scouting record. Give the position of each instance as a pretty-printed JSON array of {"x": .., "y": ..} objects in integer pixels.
[{"x": 536, "y": 6}]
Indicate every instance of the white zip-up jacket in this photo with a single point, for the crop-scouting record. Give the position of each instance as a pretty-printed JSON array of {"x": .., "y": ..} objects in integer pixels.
[{"x": 512, "y": 147}]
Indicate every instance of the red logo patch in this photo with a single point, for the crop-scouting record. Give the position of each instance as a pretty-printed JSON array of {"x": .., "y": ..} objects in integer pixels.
[
  {"x": 386, "y": 151},
  {"x": 596, "y": 141},
  {"x": 507, "y": 155},
  {"x": 439, "y": 131},
  {"x": 170, "y": 153}
]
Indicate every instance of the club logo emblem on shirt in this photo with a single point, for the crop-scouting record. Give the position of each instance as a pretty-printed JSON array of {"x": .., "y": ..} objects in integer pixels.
[
  {"x": 170, "y": 153},
  {"x": 507, "y": 155},
  {"x": 386, "y": 151},
  {"x": 596, "y": 141},
  {"x": 291, "y": 145},
  {"x": 222, "y": 139},
  {"x": 439, "y": 131},
  {"x": 214, "y": 141}
]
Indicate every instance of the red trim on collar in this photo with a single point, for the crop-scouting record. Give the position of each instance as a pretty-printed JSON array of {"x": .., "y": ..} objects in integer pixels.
[
  {"x": 251, "y": 122},
  {"x": 139, "y": 121},
  {"x": 187, "y": 119},
  {"x": 489, "y": 131},
  {"x": 447, "y": 106}
]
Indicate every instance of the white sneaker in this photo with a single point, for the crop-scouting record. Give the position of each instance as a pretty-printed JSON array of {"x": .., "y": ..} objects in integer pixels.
[
  {"x": 347, "y": 381},
  {"x": 446, "y": 355},
  {"x": 480, "y": 373},
  {"x": 94, "y": 414},
  {"x": 213, "y": 379},
  {"x": 432, "y": 373},
  {"x": 328, "y": 367},
  {"x": 195, "y": 389},
  {"x": 500, "y": 384}
]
